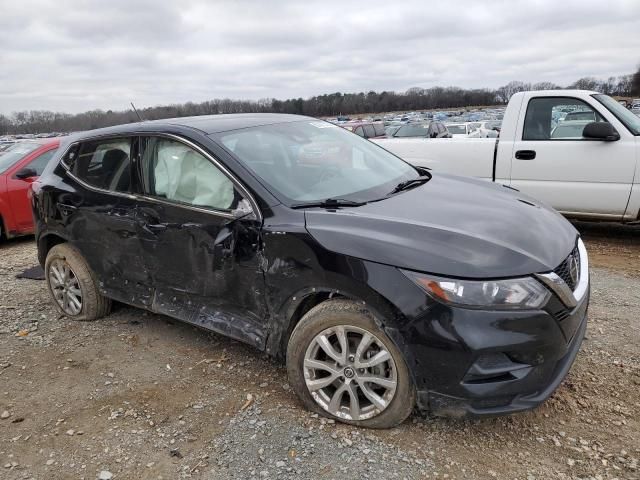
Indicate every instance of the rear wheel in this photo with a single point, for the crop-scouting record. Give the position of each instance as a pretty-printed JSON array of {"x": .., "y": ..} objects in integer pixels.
[
  {"x": 73, "y": 286},
  {"x": 344, "y": 366}
]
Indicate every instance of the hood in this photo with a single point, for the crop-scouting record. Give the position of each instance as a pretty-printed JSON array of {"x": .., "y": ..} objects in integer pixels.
[{"x": 454, "y": 226}]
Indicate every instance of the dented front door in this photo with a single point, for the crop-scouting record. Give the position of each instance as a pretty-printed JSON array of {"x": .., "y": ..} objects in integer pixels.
[{"x": 203, "y": 262}]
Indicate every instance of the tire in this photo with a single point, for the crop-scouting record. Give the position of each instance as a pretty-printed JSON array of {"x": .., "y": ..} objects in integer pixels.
[
  {"x": 93, "y": 304},
  {"x": 330, "y": 318}
]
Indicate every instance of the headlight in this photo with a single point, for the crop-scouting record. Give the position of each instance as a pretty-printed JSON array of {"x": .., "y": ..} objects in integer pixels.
[{"x": 516, "y": 293}]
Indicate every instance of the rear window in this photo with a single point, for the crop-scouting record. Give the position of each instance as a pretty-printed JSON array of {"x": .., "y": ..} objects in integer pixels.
[{"x": 15, "y": 153}]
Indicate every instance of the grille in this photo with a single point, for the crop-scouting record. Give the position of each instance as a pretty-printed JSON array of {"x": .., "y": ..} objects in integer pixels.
[{"x": 564, "y": 269}]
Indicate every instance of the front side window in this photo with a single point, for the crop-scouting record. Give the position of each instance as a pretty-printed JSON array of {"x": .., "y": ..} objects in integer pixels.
[
  {"x": 40, "y": 162},
  {"x": 557, "y": 118},
  {"x": 104, "y": 164},
  {"x": 175, "y": 172},
  {"x": 309, "y": 161}
]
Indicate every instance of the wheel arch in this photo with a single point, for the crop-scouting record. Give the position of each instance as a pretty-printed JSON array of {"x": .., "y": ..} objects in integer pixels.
[
  {"x": 46, "y": 242},
  {"x": 385, "y": 314}
]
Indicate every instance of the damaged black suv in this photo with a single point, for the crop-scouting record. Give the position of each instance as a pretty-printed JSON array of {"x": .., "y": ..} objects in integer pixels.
[{"x": 384, "y": 286}]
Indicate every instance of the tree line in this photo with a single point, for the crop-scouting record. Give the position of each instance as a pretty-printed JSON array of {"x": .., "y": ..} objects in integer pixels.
[{"x": 42, "y": 121}]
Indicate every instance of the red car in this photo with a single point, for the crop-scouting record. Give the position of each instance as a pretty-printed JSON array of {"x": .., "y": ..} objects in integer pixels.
[{"x": 20, "y": 165}]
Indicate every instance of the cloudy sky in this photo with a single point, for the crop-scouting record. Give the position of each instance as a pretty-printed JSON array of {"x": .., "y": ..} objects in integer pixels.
[{"x": 79, "y": 55}]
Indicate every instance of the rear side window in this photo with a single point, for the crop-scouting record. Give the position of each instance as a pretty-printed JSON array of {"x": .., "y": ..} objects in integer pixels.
[
  {"x": 175, "y": 172},
  {"x": 379, "y": 129},
  {"x": 104, "y": 164},
  {"x": 557, "y": 118}
]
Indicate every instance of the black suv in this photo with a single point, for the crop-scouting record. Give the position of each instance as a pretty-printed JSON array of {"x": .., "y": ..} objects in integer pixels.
[{"x": 382, "y": 285}]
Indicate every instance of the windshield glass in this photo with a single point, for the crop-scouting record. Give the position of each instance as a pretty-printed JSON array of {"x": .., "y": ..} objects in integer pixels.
[
  {"x": 16, "y": 152},
  {"x": 457, "y": 129},
  {"x": 631, "y": 121},
  {"x": 310, "y": 161}
]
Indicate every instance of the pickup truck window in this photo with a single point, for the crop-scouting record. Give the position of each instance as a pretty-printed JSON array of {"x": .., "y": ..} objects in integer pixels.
[
  {"x": 628, "y": 118},
  {"x": 557, "y": 118}
]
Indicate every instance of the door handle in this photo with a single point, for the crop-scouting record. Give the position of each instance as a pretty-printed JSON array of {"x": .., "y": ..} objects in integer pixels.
[{"x": 526, "y": 154}]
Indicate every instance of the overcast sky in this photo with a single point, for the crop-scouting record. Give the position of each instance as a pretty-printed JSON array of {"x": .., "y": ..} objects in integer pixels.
[{"x": 104, "y": 54}]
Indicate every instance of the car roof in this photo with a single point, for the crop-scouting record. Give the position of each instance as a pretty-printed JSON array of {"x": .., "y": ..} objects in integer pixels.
[{"x": 207, "y": 124}]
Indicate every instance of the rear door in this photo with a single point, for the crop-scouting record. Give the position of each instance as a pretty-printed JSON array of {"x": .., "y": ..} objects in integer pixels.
[
  {"x": 553, "y": 162},
  {"x": 200, "y": 238},
  {"x": 99, "y": 215}
]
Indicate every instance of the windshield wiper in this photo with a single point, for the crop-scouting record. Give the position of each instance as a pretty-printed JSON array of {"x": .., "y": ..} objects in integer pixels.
[
  {"x": 329, "y": 203},
  {"x": 411, "y": 183}
]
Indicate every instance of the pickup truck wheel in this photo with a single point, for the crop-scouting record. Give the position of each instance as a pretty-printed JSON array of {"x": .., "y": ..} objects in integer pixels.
[
  {"x": 343, "y": 366},
  {"x": 73, "y": 286}
]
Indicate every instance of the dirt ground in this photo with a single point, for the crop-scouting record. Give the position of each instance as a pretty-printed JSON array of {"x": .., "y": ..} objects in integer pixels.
[{"x": 140, "y": 396}]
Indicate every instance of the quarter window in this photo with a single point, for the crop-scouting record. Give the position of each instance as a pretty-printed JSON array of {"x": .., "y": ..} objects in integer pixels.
[
  {"x": 104, "y": 164},
  {"x": 173, "y": 171},
  {"x": 557, "y": 118}
]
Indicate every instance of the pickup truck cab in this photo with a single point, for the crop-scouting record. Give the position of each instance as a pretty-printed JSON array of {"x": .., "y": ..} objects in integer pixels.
[{"x": 591, "y": 176}]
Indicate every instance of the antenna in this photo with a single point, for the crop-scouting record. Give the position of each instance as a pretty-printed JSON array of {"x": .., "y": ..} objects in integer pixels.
[{"x": 138, "y": 114}]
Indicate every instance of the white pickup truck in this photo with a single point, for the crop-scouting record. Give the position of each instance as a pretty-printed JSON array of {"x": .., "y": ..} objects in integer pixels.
[{"x": 583, "y": 168}]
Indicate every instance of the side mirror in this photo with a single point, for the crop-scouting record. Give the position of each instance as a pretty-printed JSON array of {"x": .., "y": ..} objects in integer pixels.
[
  {"x": 25, "y": 173},
  {"x": 600, "y": 131}
]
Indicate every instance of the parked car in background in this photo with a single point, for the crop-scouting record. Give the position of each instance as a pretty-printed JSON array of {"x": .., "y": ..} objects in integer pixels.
[
  {"x": 383, "y": 286},
  {"x": 459, "y": 130},
  {"x": 428, "y": 130},
  {"x": 486, "y": 129},
  {"x": 5, "y": 146},
  {"x": 590, "y": 174},
  {"x": 571, "y": 129},
  {"x": 20, "y": 165},
  {"x": 588, "y": 115},
  {"x": 370, "y": 130}
]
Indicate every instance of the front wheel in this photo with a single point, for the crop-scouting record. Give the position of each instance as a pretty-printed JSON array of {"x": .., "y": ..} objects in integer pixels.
[
  {"x": 73, "y": 286},
  {"x": 344, "y": 366}
]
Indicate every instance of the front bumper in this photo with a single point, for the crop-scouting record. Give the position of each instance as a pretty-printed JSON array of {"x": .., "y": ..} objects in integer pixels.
[{"x": 492, "y": 363}]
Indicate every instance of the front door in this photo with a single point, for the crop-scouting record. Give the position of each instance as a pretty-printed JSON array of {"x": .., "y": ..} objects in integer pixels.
[
  {"x": 201, "y": 241},
  {"x": 18, "y": 188},
  {"x": 553, "y": 162}
]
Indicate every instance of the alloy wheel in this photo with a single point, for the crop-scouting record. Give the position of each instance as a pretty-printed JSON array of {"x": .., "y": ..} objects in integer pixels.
[
  {"x": 65, "y": 287},
  {"x": 350, "y": 373}
]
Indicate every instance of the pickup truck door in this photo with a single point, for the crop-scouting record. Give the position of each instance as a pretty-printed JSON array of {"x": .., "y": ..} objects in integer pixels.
[{"x": 554, "y": 163}]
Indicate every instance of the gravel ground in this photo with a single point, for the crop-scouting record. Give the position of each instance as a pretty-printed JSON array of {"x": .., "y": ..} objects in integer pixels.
[{"x": 140, "y": 396}]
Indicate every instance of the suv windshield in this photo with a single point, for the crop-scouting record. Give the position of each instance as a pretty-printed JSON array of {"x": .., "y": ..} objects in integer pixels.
[
  {"x": 631, "y": 121},
  {"x": 16, "y": 152},
  {"x": 311, "y": 161}
]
